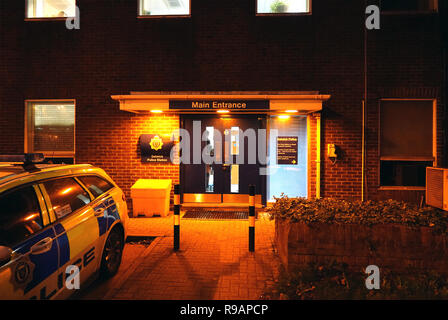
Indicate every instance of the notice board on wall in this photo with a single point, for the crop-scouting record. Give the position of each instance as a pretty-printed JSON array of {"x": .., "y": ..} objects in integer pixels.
[
  {"x": 287, "y": 149},
  {"x": 155, "y": 148}
]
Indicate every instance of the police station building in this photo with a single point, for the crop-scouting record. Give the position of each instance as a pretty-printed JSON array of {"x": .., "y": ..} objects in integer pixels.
[{"x": 292, "y": 96}]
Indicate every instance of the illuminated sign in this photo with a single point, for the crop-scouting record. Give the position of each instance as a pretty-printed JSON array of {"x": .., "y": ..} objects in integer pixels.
[
  {"x": 219, "y": 104},
  {"x": 155, "y": 148}
]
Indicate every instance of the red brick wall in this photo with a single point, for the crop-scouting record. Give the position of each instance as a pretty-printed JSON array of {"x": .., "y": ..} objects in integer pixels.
[
  {"x": 222, "y": 47},
  {"x": 114, "y": 146}
]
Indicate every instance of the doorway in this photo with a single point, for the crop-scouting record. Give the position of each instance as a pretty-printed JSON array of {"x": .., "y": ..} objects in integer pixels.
[{"x": 224, "y": 159}]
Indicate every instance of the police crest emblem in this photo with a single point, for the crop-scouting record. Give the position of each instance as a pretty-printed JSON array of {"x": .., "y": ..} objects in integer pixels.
[
  {"x": 22, "y": 272},
  {"x": 156, "y": 143}
]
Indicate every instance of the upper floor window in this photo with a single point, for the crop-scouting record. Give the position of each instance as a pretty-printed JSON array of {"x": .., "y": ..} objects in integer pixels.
[
  {"x": 50, "y": 8},
  {"x": 50, "y": 128},
  {"x": 283, "y": 6},
  {"x": 391, "y": 6},
  {"x": 164, "y": 7}
]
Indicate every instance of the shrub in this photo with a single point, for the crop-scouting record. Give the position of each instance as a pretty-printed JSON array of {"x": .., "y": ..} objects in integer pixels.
[
  {"x": 334, "y": 281},
  {"x": 278, "y": 7},
  {"x": 335, "y": 211}
]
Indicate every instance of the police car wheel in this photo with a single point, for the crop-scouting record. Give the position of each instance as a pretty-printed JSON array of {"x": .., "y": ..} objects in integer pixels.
[{"x": 112, "y": 254}]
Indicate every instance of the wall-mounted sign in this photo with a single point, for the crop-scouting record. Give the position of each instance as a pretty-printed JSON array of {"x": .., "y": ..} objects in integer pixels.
[
  {"x": 219, "y": 104},
  {"x": 287, "y": 148},
  {"x": 155, "y": 148}
]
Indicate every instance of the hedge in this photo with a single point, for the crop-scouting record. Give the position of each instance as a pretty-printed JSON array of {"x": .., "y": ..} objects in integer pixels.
[{"x": 336, "y": 211}]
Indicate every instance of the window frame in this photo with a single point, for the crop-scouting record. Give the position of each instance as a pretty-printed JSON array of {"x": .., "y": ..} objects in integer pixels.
[
  {"x": 93, "y": 197},
  {"x": 53, "y": 217},
  {"x": 46, "y": 18},
  {"x": 434, "y": 158},
  {"x": 145, "y": 16},
  {"x": 52, "y": 154},
  {"x": 411, "y": 12},
  {"x": 285, "y": 14}
]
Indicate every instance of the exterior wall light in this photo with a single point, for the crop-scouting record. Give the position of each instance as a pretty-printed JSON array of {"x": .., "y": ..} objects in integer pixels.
[
  {"x": 284, "y": 117},
  {"x": 332, "y": 153},
  {"x": 156, "y": 111}
]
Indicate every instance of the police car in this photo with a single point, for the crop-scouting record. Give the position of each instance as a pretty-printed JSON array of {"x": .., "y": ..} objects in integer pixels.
[{"x": 57, "y": 222}]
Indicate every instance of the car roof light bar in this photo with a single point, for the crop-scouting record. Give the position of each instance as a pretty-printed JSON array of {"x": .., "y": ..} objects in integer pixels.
[
  {"x": 28, "y": 160},
  {"x": 25, "y": 158}
]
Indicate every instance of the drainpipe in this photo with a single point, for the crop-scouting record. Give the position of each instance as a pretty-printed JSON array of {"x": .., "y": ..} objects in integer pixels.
[
  {"x": 363, "y": 150},
  {"x": 364, "y": 109},
  {"x": 309, "y": 159},
  {"x": 318, "y": 156},
  {"x": 443, "y": 21}
]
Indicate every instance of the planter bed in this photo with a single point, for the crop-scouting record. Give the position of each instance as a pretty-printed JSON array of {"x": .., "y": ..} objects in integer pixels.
[{"x": 302, "y": 239}]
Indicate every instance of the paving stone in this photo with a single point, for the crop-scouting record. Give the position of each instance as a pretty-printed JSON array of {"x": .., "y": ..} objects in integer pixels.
[{"x": 213, "y": 261}]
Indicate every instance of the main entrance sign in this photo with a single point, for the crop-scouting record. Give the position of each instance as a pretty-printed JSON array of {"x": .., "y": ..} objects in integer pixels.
[{"x": 219, "y": 104}]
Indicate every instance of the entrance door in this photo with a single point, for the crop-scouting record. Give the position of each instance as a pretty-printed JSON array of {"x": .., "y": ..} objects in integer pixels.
[{"x": 224, "y": 159}]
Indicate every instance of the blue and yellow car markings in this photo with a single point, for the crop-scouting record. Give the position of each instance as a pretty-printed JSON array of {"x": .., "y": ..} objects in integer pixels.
[
  {"x": 110, "y": 214},
  {"x": 64, "y": 244},
  {"x": 45, "y": 263}
]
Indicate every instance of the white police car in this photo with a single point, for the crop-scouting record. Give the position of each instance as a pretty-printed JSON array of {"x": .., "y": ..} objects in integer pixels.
[{"x": 54, "y": 217}]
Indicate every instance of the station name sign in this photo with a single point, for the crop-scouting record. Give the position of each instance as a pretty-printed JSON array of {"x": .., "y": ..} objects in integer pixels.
[
  {"x": 155, "y": 148},
  {"x": 219, "y": 104}
]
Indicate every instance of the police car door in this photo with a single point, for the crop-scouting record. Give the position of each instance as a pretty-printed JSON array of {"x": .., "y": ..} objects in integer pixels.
[
  {"x": 28, "y": 245},
  {"x": 76, "y": 228},
  {"x": 105, "y": 204}
]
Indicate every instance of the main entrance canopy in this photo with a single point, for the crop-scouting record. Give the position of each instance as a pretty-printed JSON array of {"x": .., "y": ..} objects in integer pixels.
[
  {"x": 210, "y": 102},
  {"x": 280, "y": 121}
]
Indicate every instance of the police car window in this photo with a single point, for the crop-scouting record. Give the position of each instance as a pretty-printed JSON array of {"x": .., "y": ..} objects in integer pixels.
[
  {"x": 96, "y": 185},
  {"x": 20, "y": 216},
  {"x": 66, "y": 196}
]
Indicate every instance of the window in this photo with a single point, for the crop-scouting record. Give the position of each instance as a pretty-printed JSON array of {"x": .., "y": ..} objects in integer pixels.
[
  {"x": 290, "y": 179},
  {"x": 164, "y": 7},
  {"x": 50, "y": 128},
  {"x": 50, "y": 8},
  {"x": 283, "y": 6},
  {"x": 406, "y": 141},
  {"x": 96, "y": 185},
  {"x": 20, "y": 216},
  {"x": 409, "y": 5},
  {"x": 66, "y": 196}
]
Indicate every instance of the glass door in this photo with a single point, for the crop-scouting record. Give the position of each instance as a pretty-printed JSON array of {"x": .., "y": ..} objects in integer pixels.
[{"x": 228, "y": 162}]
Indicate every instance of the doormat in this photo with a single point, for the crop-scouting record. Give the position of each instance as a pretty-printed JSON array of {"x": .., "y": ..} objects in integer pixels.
[{"x": 217, "y": 214}]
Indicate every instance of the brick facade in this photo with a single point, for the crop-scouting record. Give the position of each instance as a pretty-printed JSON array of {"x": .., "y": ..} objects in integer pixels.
[{"x": 224, "y": 46}]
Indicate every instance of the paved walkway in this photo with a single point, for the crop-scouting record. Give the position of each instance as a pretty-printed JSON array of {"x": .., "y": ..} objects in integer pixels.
[{"x": 213, "y": 262}]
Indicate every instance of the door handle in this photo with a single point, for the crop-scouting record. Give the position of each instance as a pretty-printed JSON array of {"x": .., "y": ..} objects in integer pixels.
[
  {"x": 42, "y": 246},
  {"x": 99, "y": 211}
]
